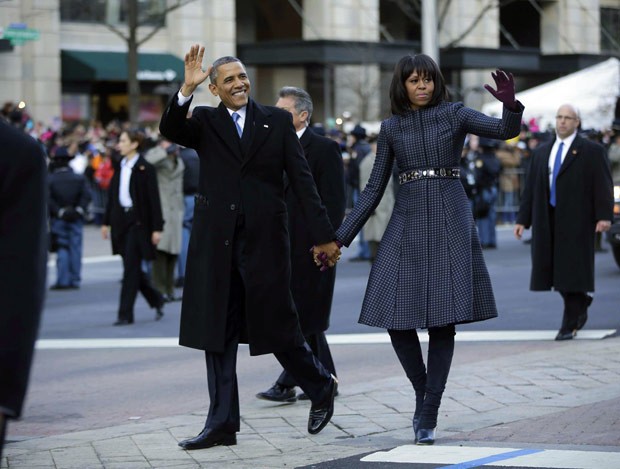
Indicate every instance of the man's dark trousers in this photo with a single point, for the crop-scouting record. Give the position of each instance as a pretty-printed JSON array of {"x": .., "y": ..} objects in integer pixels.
[{"x": 300, "y": 362}]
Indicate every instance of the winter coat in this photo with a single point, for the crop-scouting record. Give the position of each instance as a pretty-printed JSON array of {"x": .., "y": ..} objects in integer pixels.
[{"x": 429, "y": 270}]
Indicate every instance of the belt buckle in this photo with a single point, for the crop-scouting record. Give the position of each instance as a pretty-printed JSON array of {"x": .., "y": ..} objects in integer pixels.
[{"x": 442, "y": 171}]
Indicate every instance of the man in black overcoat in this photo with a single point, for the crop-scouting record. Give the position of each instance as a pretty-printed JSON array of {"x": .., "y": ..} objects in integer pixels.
[
  {"x": 237, "y": 282},
  {"x": 568, "y": 197},
  {"x": 312, "y": 289},
  {"x": 23, "y": 260}
]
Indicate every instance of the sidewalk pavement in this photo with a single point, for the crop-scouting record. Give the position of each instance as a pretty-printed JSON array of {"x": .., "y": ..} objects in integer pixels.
[{"x": 566, "y": 396}]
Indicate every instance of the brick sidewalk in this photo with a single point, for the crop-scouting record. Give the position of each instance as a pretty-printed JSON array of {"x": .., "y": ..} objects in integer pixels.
[{"x": 567, "y": 394}]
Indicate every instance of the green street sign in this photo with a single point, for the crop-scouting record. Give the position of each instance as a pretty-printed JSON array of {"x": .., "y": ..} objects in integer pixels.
[{"x": 18, "y": 36}]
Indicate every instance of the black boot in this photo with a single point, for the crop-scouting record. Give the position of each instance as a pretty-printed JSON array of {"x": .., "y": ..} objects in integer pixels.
[
  {"x": 440, "y": 352},
  {"x": 407, "y": 347}
]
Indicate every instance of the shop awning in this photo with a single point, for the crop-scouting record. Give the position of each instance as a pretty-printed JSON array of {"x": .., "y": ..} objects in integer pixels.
[{"x": 78, "y": 65}]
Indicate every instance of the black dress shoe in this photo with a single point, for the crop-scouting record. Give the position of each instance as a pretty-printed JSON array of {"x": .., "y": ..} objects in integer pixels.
[
  {"x": 321, "y": 412},
  {"x": 278, "y": 393},
  {"x": 562, "y": 335},
  {"x": 159, "y": 313},
  {"x": 209, "y": 438},
  {"x": 123, "y": 322},
  {"x": 425, "y": 436}
]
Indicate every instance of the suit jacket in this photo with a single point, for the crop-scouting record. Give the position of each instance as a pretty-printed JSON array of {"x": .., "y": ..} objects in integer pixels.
[
  {"x": 312, "y": 289},
  {"x": 584, "y": 195},
  {"x": 23, "y": 260},
  {"x": 243, "y": 176},
  {"x": 147, "y": 206}
]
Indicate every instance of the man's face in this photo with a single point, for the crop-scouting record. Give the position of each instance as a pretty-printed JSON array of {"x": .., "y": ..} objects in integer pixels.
[
  {"x": 566, "y": 121},
  {"x": 232, "y": 85},
  {"x": 288, "y": 104}
]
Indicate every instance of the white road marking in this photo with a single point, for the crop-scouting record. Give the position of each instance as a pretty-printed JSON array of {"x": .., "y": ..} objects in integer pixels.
[
  {"x": 459, "y": 457},
  {"x": 333, "y": 339}
]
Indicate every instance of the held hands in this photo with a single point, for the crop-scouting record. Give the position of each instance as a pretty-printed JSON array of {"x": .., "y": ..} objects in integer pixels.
[
  {"x": 505, "y": 92},
  {"x": 194, "y": 75},
  {"x": 326, "y": 255}
]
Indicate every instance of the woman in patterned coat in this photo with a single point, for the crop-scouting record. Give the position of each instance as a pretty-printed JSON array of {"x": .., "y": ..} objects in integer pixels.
[{"x": 429, "y": 272}]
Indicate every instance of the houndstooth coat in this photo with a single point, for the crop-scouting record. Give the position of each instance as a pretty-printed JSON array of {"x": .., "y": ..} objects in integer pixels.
[{"x": 429, "y": 269}]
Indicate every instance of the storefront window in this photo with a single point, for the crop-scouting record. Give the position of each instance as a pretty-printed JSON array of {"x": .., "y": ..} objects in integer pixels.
[{"x": 150, "y": 12}]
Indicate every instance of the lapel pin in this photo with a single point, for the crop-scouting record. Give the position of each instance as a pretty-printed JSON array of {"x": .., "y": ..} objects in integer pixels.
[
  {"x": 141, "y": 168},
  {"x": 266, "y": 126},
  {"x": 574, "y": 152}
]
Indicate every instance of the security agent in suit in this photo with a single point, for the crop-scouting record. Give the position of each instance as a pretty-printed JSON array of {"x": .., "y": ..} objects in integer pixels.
[
  {"x": 68, "y": 201},
  {"x": 312, "y": 290},
  {"x": 135, "y": 217},
  {"x": 23, "y": 260},
  {"x": 238, "y": 268},
  {"x": 568, "y": 197}
]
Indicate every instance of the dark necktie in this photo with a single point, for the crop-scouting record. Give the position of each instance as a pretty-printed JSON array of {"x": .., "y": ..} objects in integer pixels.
[
  {"x": 556, "y": 169},
  {"x": 236, "y": 118}
]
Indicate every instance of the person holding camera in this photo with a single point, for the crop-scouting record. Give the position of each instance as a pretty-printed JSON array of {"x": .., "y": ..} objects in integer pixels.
[{"x": 68, "y": 201}]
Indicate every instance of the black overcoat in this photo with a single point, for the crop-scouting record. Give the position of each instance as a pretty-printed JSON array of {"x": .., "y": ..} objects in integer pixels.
[
  {"x": 23, "y": 259},
  {"x": 584, "y": 195},
  {"x": 146, "y": 204},
  {"x": 312, "y": 289},
  {"x": 243, "y": 175}
]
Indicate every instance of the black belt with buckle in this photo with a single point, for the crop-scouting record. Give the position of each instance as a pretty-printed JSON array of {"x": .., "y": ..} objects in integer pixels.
[{"x": 428, "y": 173}]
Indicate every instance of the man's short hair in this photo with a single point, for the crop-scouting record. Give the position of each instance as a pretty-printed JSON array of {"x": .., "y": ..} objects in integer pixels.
[
  {"x": 303, "y": 101},
  {"x": 221, "y": 61}
]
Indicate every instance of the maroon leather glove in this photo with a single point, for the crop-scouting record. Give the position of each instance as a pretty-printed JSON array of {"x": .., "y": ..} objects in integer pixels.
[{"x": 505, "y": 89}]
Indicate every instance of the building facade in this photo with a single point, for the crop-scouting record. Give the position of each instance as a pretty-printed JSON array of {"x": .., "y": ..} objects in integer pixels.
[{"x": 342, "y": 51}]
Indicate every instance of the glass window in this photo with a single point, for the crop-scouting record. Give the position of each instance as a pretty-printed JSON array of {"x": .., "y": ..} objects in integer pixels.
[
  {"x": 610, "y": 30},
  {"x": 150, "y": 12}
]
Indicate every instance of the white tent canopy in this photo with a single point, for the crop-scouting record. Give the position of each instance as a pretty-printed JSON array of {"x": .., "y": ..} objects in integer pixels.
[{"x": 593, "y": 90}]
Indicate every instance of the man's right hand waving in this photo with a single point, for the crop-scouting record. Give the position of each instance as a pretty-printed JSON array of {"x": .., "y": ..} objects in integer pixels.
[{"x": 194, "y": 75}]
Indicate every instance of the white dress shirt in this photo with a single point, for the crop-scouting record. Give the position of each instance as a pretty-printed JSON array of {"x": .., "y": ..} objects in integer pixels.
[
  {"x": 123, "y": 191},
  {"x": 568, "y": 141}
]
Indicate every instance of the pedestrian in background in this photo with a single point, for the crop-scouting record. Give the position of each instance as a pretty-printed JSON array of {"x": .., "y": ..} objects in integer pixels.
[
  {"x": 567, "y": 199},
  {"x": 190, "y": 189},
  {"x": 378, "y": 220},
  {"x": 237, "y": 282},
  {"x": 169, "y": 168},
  {"x": 359, "y": 148},
  {"x": 312, "y": 289},
  {"x": 487, "y": 170},
  {"x": 68, "y": 199},
  {"x": 429, "y": 272},
  {"x": 23, "y": 263},
  {"x": 134, "y": 220}
]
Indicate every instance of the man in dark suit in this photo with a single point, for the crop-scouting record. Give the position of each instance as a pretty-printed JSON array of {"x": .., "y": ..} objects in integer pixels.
[
  {"x": 312, "y": 290},
  {"x": 238, "y": 270},
  {"x": 23, "y": 259},
  {"x": 568, "y": 197}
]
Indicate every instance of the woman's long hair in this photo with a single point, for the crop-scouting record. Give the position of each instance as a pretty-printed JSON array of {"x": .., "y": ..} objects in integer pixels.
[{"x": 426, "y": 67}]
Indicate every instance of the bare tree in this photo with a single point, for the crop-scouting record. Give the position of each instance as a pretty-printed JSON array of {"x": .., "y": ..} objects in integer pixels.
[{"x": 154, "y": 20}]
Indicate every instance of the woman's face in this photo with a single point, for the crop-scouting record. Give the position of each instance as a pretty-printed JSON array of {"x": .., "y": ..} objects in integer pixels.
[
  {"x": 419, "y": 90},
  {"x": 126, "y": 146}
]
